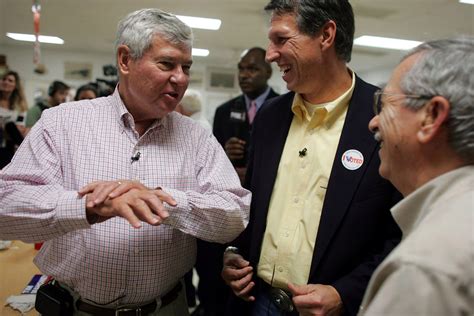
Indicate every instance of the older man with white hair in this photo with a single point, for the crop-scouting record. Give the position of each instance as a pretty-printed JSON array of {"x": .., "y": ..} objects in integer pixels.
[
  {"x": 425, "y": 125},
  {"x": 191, "y": 106},
  {"x": 117, "y": 246}
]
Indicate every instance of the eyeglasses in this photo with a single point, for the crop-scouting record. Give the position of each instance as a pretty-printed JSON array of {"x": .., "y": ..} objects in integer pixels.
[{"x": 378, "y": 104}]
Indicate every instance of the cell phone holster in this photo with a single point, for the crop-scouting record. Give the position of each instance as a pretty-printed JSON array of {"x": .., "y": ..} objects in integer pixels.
[{"x": 53, "y": 300}]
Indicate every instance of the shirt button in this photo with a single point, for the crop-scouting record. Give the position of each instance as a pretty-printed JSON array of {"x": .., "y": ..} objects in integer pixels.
[
  {"x": 296, "y": 200},
  {"x": 280, "y": 269}
]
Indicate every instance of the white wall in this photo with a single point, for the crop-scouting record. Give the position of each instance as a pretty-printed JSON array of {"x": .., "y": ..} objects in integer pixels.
[
  {"x": 378, "y": 77},
  {"x": 20, "y": 59}
]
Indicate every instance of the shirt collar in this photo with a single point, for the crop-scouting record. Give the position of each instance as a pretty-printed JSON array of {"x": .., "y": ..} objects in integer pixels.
[
  {"x": 126, "y": 119},
  {"x": 411, "y": 211},
  {"x": 258, "y": 100},
  {"x": 304, "y": 110}
]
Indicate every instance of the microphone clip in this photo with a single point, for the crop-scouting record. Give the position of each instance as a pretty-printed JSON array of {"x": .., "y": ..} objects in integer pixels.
[
  {"x": 302, "y": 152},
  {"x": 135, "y": 157}
]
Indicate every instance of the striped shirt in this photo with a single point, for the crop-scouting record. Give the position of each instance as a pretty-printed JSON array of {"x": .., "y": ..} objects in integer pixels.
[{"x": 112, "y": 263}]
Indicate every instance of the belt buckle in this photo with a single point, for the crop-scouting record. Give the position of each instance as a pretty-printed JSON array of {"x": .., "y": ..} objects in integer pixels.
[
  {"x": 282, "y": 299},
  {"x": 138, "y": 311}
]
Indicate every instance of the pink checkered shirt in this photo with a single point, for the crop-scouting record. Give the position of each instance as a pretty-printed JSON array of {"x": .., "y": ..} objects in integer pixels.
[{"x": 111, "y": 262}]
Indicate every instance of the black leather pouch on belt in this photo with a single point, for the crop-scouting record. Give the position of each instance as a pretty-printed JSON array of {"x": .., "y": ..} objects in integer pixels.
[{"x": 53, "y": 300}]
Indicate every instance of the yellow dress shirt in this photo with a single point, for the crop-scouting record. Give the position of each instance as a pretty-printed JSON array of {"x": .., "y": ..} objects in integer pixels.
[{"x": 300, "y": 187}]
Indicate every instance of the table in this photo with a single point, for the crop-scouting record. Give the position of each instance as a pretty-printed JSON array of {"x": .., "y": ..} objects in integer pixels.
[{"x": 16, "y": 270}]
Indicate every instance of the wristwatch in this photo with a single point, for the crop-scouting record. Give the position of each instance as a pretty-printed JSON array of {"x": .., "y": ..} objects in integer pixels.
[{"x": 231, "y": 249}]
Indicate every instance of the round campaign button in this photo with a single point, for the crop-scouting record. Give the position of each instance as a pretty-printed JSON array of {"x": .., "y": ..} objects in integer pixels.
[{"x": 352, "y": 159}]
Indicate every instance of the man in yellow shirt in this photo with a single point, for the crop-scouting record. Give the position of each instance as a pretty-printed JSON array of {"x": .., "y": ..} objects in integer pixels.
[{"x": 320, "y": 220}]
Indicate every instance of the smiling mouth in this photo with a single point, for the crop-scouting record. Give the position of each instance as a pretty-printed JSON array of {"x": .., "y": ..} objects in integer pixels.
[
  {"x": 378, "y": 139},
  {"x": 285, "y": 69},
  {"x": 172, "y": 94}
]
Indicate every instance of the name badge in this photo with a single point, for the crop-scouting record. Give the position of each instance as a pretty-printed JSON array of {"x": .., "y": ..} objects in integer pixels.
[{"x": 238, "y": 116}]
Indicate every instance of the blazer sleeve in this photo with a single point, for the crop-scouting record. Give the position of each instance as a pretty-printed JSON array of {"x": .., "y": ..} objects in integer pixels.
[{"x": 352, "y": 286}]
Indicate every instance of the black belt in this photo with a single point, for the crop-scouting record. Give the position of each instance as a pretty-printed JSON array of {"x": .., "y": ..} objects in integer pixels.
[
  {"x": 141, "y": 310},
  {"x": 279, "y": 297}
]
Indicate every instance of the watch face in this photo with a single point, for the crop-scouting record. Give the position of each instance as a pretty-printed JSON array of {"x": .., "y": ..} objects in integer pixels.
[{"x": 231, "y": 249}]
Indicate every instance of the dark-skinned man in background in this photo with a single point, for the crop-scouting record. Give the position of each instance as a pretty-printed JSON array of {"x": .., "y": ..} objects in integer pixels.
[{"x": 232, "y": 125}]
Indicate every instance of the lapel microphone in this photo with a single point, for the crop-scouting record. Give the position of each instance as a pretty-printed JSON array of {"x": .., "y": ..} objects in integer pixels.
[
  {"x": 136, "y": 157},
  {"x": 303, "y": 152}
]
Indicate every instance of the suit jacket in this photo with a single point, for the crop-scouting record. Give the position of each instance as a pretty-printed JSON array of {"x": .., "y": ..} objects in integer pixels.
[
  {"x": 356, "y": 230},
  {"x": 226, "y": 127}
]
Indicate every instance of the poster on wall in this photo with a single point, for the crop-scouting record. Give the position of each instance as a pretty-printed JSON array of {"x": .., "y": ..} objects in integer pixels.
[
  {"x": 77, "y": 71},
  {"x": 221, "y": 79}
]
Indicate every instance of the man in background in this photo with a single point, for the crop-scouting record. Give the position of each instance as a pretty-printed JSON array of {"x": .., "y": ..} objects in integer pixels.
[
  {"x": 232, "y": 125},
  {"x": 233, "y": 119},
  {"x": 57, "y": 94},
  {"x": 87, "y": 91},
  {"x": 425, "y": 126},
  {"x": 320, "y": 218},
  {"x": 117, "y": 246}
]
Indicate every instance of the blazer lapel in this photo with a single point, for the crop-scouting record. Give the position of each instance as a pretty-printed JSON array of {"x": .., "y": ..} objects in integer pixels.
[
  {"x": 344, "y": 182},
  {"x": 277, "y": 124},
  {"x": 275, "y": 133}
]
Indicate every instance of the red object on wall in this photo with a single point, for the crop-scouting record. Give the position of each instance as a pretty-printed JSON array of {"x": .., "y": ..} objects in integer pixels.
[{"x": 38, "y": 245}]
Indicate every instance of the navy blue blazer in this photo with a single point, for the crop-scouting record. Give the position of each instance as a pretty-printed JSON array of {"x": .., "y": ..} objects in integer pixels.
[{"x": 356, "y": 230}]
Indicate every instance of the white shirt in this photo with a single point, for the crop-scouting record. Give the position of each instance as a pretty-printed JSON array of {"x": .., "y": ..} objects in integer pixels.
[
  {"x": 431, "y": 272},
  {"x": 80, "y": 142}
]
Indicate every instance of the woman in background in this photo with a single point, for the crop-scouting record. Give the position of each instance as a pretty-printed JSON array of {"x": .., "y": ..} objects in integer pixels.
[
  {"x": 87, "y": 91},
  {"x": 13, "y": 107}
]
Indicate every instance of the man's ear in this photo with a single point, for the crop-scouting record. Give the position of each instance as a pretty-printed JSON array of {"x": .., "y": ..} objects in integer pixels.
[
  {"x": 328, "y": 34},
  {"x": 433, "y": 115},
  {"x": 123, "y": 59}
]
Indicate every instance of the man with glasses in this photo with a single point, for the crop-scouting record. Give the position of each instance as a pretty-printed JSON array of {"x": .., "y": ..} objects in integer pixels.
[
  {"x": 319, "y": 220},
  {"x": 425, "y": 127}
]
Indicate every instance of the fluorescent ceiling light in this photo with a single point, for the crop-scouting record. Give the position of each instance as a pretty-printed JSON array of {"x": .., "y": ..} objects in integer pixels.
[
  {"x": 32, "y": 38},
  {"x": 467, "y": 1},
  {"x": 200, "y": 23},
  {"x": 385, "y": 42},
  {"x": 200, "y": 52}
]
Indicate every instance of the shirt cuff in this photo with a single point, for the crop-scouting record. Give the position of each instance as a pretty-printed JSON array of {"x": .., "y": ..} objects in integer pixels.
[
  {"x": 71, "y": 212},
  {"x": 175, "y": 212}
]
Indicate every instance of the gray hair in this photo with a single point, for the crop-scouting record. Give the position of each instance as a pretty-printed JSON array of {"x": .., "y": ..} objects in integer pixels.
[
  {"x": 445, "y": 68},
  {"x": 191, "y": 101},
  {"x": 138, "y": 28},
  {"x": 312, "y": 15}
]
